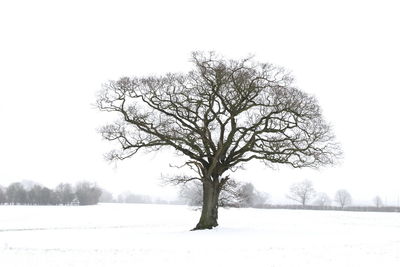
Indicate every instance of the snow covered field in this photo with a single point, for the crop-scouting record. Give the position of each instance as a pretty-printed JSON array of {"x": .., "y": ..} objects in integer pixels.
[{"x": 158, "y": 235}]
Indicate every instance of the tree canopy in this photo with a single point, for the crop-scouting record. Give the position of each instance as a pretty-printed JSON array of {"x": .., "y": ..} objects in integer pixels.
[{"x": 221, "y": 114}]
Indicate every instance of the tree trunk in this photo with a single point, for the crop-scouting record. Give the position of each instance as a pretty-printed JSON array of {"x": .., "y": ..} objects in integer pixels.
[{"x": 209, "y": 212}]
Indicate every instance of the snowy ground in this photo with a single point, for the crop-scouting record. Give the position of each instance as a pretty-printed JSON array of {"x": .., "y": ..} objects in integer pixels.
[{"x": 157, "y": 235}]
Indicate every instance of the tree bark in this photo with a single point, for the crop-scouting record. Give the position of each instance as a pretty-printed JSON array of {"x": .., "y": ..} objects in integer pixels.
[{"x": 209, "y": 212}]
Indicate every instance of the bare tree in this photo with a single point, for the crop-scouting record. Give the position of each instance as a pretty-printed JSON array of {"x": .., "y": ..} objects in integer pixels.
[
  {"x": 248, "y": 196},
  {"x": 39, "y": 195},
  {"x": 65, "y": 193},
  {"x": 220, "y": 115},
  {"x": 322, "y": 200},
  {"x": 35, "y": 195},
  {"x": 377, "y": 200},
  {"x": 16, "y": 194},
  {"x": 302, "y": 192},
  {"x": 343, "y": 198},
  {"x": 48, "y": 197},
  {"x": 87, "y": 193},
  {"x": 192, "y": 193}
]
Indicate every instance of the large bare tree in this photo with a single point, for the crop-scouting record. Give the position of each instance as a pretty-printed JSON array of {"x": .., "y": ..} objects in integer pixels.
[{"x": 220, "y": 115}]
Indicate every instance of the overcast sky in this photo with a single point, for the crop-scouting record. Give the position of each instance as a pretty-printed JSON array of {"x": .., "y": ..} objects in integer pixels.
[{"x": 54, "y": 56}]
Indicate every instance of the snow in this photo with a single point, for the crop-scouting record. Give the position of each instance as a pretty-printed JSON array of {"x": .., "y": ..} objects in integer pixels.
[{"x": 158, "y": 235}]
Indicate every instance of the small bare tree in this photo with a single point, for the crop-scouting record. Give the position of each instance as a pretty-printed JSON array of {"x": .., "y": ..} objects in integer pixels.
[
  {"x": 302, "y": 192},
  {"x": 219, "y": 116},
  {"x": 378, "y": 203},
  {"x": 322, "y": 200},
  {"x": 343, "y": 198},
  {"x": 192, "y": 193},
  {"x": 248, "y": 196}
]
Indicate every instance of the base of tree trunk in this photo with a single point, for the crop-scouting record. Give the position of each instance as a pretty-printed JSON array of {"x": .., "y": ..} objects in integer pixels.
[
  {"x": 205, "y": 226},
  {"x": 208, "y": 219}
]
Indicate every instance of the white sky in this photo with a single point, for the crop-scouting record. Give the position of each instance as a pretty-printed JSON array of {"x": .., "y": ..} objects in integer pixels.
[{"x": 54, "y": 56}]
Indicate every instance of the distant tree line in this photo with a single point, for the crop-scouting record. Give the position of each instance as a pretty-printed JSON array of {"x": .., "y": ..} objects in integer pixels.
[
  {"x": 245, "y": 195},
  {"x": 129, "y": 197},
  {"x": 83, "y": 193},
  {"x": 233, "y": 195},
  {"x": 304, "y": 193},
  {"x": 349, "y": 208}
]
